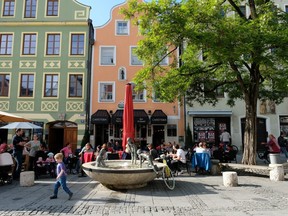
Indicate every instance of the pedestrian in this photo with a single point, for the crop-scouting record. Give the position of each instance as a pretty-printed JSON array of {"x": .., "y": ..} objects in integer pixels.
[
  {"x": 283, "y": 143},
  {"x": 33, "y": 146},
  {"x": 18, "y": 145},
  {"x": 61, "y": 177},
  {"x": 225, "y": 138}
]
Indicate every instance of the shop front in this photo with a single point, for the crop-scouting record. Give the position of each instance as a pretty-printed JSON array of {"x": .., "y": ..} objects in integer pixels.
[{"x": 208, "y": 125}]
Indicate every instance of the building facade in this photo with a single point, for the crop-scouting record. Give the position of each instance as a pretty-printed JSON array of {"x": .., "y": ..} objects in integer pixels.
[
  {"x": 115, "y": 65},
  {"x": 207, "y": 122},
  {"x": 45, "y": 56}
]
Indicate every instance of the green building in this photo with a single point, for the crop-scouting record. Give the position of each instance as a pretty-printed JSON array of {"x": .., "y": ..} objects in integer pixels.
[{"x": 45, "y": 66}]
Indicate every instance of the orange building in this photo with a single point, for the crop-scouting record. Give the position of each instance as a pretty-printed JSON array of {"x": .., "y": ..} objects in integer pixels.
[{"x": 115, "y": 65}]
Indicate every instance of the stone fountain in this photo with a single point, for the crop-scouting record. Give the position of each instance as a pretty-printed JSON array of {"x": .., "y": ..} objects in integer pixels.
[{"x": 121, "y": 174}]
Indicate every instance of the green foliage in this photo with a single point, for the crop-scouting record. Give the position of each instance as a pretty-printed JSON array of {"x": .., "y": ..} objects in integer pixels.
[
  {"x": 236, "y": 50},
  {"x": 214, "y": 45}
]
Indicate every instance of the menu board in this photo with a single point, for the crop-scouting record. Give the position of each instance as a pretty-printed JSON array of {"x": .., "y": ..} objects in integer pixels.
[{"x": 204, "y": 129}]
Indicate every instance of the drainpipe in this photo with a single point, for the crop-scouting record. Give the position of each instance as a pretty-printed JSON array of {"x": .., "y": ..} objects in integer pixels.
[
  {"x": 184, "y": 102},
  {"x": 91, "y": 41}
]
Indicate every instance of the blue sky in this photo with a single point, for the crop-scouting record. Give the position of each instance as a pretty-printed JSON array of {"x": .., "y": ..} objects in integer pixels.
[{"x": 100, "y": 12}]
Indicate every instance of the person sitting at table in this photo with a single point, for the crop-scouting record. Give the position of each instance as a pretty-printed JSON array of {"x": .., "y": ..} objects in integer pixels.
[
  {"x": 202, "y": 148},
  {"x": 152, "y": 151},
  {"x": 117, "y": 147},
  {"x": 178, "y": 159},
  {"x": 66, "y": 151}
]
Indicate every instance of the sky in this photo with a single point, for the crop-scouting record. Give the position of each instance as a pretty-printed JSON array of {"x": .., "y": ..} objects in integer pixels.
[{"x": 100, "y": 12}]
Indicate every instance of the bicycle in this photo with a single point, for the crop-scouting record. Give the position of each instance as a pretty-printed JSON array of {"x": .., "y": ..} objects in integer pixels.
[
  {"x": 166, "y": 174},
  {"x": 161, "y": 171}
]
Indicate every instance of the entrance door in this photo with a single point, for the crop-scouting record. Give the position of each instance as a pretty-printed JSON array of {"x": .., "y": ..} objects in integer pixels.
[
  {"x": 158, "y": 135},
  {"x": 101, "y": 135},
  {"x": 261, "y": 132},
  {"x": 70, "y": 135},
  {"x": 60, "y": 133}
]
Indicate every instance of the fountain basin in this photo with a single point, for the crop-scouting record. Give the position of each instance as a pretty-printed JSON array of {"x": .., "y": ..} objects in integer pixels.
[{"x": 121, "y": 174}]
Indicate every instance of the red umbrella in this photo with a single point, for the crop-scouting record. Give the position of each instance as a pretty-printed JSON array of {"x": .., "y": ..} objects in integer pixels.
[{"x": 128, "y": 116}]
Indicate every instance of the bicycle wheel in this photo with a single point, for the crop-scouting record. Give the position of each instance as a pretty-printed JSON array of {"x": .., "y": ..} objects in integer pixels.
[{"x": 168, "y": 178}]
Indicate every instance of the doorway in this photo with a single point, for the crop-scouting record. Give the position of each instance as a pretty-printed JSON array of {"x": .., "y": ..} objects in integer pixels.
[
  {"x": 158, "y": 135},
  {"x": 261, "y": 132},
  {"x": 60, "y": 133}
]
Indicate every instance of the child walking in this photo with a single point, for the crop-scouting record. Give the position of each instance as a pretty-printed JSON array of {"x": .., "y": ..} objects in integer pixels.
[{"x": 61, "y": 177}]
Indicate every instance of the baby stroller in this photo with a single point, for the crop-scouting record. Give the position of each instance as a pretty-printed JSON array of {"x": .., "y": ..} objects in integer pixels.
[
  {"x": 263, "y": 154},
  {"x": 6, "y": 168}
]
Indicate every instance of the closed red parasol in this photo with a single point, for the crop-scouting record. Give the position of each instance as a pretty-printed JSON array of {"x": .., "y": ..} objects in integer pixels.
[{"x": 128, "y": 116}]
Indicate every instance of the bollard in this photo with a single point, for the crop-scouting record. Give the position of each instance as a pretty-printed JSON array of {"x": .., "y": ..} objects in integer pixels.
[
  {"x": 27, "y": 178},
  {"x": 276, "y": 172},
  {"x": 230, "y": 179}
]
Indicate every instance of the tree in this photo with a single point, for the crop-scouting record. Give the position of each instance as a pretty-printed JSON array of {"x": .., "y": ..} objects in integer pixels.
[
  {"x": 219, "y": 47},
  {"x": 188, "y": 139}
]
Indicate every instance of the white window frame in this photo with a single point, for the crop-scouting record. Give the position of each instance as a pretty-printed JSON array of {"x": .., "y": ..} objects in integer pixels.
[
  {"x": 110, "y": 96},
  {"x": 134, "y": 61},
  {"x": 112, "y": 60},
  {"x": 137, "y": 96},
  {"x": 122, "y": 32}
]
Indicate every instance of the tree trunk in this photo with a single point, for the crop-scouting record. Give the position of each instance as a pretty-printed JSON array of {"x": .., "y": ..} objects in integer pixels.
[{"x": 250, "y": 134}]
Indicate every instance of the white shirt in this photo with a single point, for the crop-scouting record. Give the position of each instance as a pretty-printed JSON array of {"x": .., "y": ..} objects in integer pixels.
[
  {"x": 202, "y": 150},
  {"x": 225, "y": 137},
  {"x": 181, "y": 154}
]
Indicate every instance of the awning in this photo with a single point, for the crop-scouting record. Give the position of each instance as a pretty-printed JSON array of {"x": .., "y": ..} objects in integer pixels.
[
  {"x": 117, "y": 117},
  {"x": 140, "y": 117},
  {"x": 158, "y": 117},
  {"x": 210, "y": 113},
  {"x": 100, "y": 117}
]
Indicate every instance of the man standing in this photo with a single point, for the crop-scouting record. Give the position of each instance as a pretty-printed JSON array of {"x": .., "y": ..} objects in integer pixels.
[
  {"x": 225, "y": 138},
  {"x": 18, "y": 144}
]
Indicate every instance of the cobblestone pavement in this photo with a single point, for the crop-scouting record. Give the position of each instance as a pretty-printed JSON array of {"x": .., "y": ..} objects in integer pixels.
[{"x": 196, "y": 195}]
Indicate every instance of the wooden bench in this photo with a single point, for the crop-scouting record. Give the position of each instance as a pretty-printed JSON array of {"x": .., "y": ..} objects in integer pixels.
[{"x": 275, "y": 171}]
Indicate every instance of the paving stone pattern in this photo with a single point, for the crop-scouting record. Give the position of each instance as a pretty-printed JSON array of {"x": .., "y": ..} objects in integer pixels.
[{"x": 196, "y": 195}]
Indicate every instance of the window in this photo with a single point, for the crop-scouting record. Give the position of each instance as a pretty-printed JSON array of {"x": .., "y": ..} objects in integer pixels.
[
  {"x": 27, "y": 85},
  {"x": 29, "y": 44},
  {"x": 122, "y": 28},
  {"x": 77, "y": 46},
  {"x": 171, "y": 130},
  {"x": 4, "y": 85},
  {"x": 107, "y": 56},
  {"x": 75, "y": 85},
  {"x": 122, "y": 74},
  {"x": 52, "y": 8},
  {"x": 53, "y": 44},
  {"x": 106, "y": 92},
  {"x": 51, "y": 85},
  {"x": 30, "y": 8},
  {"x": 243, "y": 9},
  {"x": 6, "y": 44},
  {"x": 218, "y": 93},
  {"x": 8, "y": 8},
  {"x": 164, "y": 61},
  {"x": 137, "y": 95},
  {"x": 134, "y": 59},
  {"x": 156, "y": 94},
  {"x": 286, "y": 8}
]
